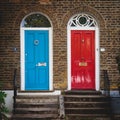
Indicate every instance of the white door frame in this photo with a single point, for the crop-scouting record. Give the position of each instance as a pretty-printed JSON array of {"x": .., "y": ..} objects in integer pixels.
[
  {"x": 97, "y": 54},
  {"x": 22, "y": 56}
]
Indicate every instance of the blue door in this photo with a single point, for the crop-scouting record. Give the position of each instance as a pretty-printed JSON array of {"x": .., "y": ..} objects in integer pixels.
[{"x": 36, "y": 60}]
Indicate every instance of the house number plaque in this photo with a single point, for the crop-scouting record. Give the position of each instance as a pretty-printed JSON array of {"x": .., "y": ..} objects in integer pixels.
[{"x": 82, "y": 63}]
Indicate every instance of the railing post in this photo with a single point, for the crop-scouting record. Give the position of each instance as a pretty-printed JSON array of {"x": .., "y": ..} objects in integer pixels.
[
  {"x": 61, "y": 103},
  {"x": 106, "y": 83},
  {"x": 15, "y": 90}
]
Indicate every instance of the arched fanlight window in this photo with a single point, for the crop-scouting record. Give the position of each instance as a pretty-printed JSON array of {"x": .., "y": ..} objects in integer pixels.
[
  {"x": 82, "y": 20},
  {"x": 36, "y": 20}
]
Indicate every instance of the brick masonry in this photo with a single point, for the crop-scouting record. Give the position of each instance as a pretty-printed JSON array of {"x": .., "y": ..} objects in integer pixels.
[{"x": 106, "y": 13}]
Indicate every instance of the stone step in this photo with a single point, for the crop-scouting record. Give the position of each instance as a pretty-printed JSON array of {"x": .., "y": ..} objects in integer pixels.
[
  {"x": 36, "y": 110},
  {"x": 87, "y": 117},
  {"x": 81, "y": 105},
  {"x": 34, "y": 107},
  {"x": 37, "y": 96},
  {"x": 86, "y": 104},
  {"x": 82, "y": 92},
  {"x": 38, "y": 105},
  {"x": 85, "y": 98},
  {"x": 87, "y": 110},
  {"x": 36, "y": 99},
  {"x": 34, "y": 116}
]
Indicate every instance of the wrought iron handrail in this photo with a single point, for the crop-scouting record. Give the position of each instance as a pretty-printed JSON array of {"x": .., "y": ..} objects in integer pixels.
[
  {"x": 15, "y": 89},
  {"x": 106, "y": 83}
]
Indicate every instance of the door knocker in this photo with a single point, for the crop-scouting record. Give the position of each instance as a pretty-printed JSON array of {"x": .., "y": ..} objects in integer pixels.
[{"x": 36, "y": 42}]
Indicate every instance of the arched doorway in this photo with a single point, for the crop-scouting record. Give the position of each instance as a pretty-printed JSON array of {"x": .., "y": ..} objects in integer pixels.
[
  {"x": 36, "y": 53},
  {"x": 83, "y": 53}
]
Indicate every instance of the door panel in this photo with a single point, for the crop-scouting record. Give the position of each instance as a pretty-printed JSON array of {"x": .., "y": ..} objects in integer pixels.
[
  {"x": 83, "y": 59},
  {"x": 36, "y": 60}
]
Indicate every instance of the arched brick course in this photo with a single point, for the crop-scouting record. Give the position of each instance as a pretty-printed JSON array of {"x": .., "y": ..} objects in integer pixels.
[
  {"x": 84, "y": 9},
  {"x": 26, "y": 11}
]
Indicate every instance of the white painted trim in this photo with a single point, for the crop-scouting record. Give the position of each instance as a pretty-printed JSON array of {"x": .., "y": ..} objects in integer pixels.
[
  {"x": 56, "y": 92},
  {"x": 69, "y": 57},
  {"x": 50, "y": 59},
  {"x": 35, "y": 28},
  {"x": 22, "y": 59},
  {"x": 97, "y": 59},
  {"x": 97, "y": 55},
  {"x": 83, "y": 28}
]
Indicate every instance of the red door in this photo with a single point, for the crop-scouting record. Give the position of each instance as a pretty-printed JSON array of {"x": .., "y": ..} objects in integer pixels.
[{"x": 83, "y": 59}]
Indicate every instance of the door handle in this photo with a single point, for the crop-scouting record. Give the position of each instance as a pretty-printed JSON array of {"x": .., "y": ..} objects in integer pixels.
[
  {"x": 41, "y": 64},
  {"x": 83, "y": 58}
]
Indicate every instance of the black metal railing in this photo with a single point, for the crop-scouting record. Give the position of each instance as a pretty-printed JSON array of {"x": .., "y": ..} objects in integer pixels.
[
  {"x": 15, "y": 89},
  {"x": 106, "y": 83}
]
